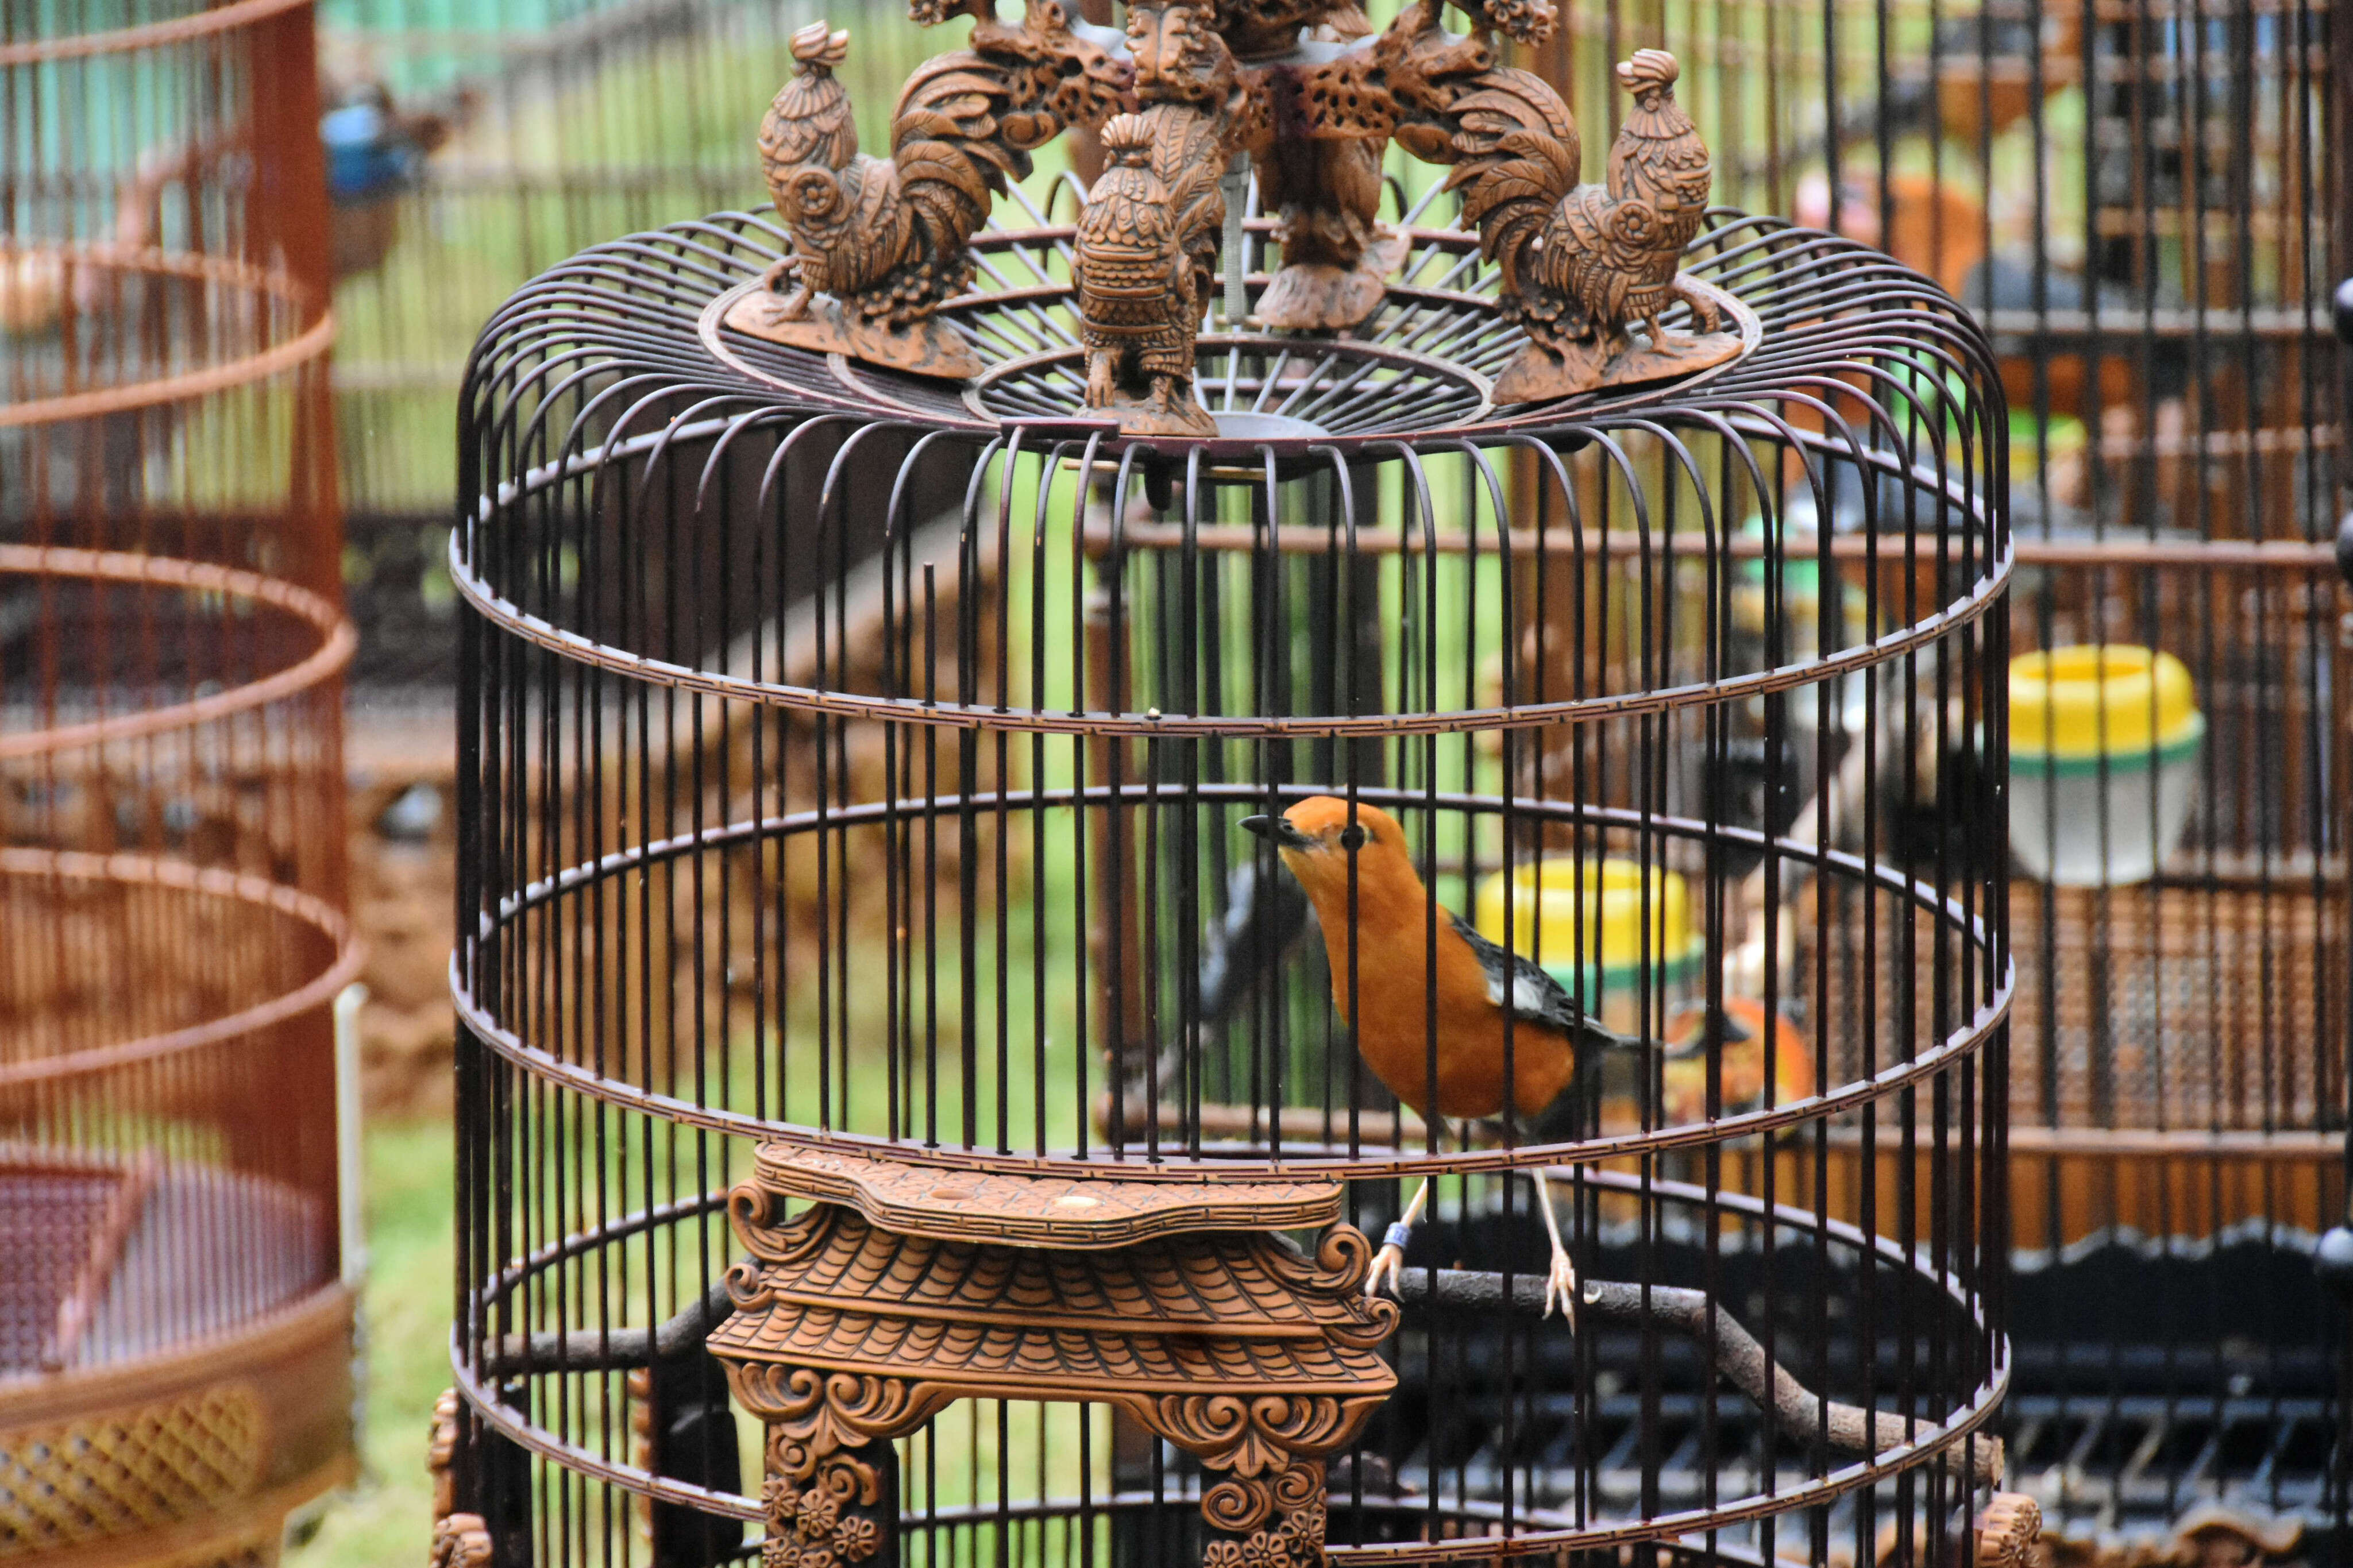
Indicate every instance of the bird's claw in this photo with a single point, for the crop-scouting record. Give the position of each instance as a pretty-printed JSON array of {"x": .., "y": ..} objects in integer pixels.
[
  {"x": 1388, "y": 1263},
  {"x": 1560, "y": 1286}
]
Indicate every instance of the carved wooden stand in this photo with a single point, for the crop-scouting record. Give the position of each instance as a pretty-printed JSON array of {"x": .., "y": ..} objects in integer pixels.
[{"x": 904, "y": 1289}]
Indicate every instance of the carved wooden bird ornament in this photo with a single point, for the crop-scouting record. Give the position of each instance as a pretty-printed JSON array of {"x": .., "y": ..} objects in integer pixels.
[
  {"x": 1140, "y": 294},
  {"x": 878, "y": 246},
  {"x": 1615, "y": 249},
  {"x": 1582, "y": 264}
]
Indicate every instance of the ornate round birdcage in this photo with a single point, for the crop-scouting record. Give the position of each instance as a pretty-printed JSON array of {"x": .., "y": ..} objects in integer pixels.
[
  {"x": 174, "y": 1332},
  {"x": 973, "y": 926}
]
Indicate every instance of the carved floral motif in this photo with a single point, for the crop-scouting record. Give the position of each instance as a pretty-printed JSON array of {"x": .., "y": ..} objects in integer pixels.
[
  {"x": 1296, "y": 1540},
  {"x": 822, "y": 1512}
]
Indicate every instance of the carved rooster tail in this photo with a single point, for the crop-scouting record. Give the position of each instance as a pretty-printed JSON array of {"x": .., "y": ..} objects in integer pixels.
[
  {"x": 1516, "y": 154},
  {"x": 955, "y": 138}
]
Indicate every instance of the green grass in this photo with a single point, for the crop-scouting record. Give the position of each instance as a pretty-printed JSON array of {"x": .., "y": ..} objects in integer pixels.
[{"x": 387, "y": 1518}]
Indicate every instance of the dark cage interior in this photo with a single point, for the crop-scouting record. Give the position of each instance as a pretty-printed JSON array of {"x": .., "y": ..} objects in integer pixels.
[{"x": 971, "y": 954}]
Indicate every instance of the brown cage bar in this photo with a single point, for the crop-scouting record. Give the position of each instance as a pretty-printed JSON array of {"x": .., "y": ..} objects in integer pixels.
[{"x": 175, "y": 1333}]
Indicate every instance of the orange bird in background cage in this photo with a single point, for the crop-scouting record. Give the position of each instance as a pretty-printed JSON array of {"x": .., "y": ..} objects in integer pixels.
[{"x": 1741, "y": 1022}]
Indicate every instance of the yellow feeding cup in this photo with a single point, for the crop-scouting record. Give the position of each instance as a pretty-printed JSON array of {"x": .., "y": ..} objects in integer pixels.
[
  {"x": 2104, "y": 746},
  {"x": 1548, "y": 901}
]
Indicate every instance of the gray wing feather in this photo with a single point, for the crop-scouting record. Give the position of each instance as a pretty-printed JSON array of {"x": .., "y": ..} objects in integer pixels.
[{"x": 1535, "y": 996}]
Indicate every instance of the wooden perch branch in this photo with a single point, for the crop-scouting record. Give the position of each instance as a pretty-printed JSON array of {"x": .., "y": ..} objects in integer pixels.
[
  {"x": 612, "y": 1350},
  {"x": 1797, "y": 1410}
]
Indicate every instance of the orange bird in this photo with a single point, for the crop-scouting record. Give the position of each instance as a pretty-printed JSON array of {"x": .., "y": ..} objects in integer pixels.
[{"x": 1479, "y": 986}]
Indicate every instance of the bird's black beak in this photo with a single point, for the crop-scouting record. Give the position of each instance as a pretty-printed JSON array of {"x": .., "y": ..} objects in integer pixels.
[{"x": 1275, "y": 830}]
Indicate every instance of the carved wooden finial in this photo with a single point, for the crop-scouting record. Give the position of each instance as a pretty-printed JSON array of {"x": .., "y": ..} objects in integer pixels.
[{"x": 1589, "y": 272}]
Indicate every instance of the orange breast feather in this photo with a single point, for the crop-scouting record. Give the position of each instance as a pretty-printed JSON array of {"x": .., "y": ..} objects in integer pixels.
[{"x": 1394, "y": 1036}]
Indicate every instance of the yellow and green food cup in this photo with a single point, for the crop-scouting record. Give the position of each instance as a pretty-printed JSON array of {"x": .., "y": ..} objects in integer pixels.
[{"x": 2104, "y": 746}]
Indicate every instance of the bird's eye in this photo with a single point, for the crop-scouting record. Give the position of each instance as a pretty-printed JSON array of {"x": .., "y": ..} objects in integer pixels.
[{"x": 1353, "y": 836}]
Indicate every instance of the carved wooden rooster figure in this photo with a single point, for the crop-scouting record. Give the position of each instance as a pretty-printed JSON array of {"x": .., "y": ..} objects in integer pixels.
[
  {"x": 1581, "y": 264},
  {"x": 878, "y": 246},
  {"x": 1615, "y": 250},
  {"x": 1141, "y": 296},
  {"x": 849, "y": 226}
]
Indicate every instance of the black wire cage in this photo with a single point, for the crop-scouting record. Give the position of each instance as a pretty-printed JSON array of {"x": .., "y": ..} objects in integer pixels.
[{"x": 872, "y": 1006}]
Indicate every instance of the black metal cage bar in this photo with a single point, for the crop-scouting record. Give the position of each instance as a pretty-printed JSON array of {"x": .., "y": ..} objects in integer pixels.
[{"x": 848, "y": 765}]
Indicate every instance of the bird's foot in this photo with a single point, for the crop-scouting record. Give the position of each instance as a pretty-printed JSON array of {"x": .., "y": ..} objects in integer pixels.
[
  {"x": 1389, "y": 1263},
  {"x": 1099, "y": 380},
  {"x": 1560, "y": 1286},
  {"x": 1707, "y": 315}
]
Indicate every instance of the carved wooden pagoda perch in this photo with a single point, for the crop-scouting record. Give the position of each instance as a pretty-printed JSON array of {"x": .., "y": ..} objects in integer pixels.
[{"x": 903, "y": 1289}]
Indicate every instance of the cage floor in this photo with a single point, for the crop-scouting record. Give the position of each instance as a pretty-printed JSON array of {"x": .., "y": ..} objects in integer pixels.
[{"x": 112, "y": 1261}]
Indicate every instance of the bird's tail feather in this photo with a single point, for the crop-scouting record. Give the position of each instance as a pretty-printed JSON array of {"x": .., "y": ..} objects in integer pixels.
[
  {"x": 1721, "y": 1027},
  {"x": 1576, "y": 1112}
]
